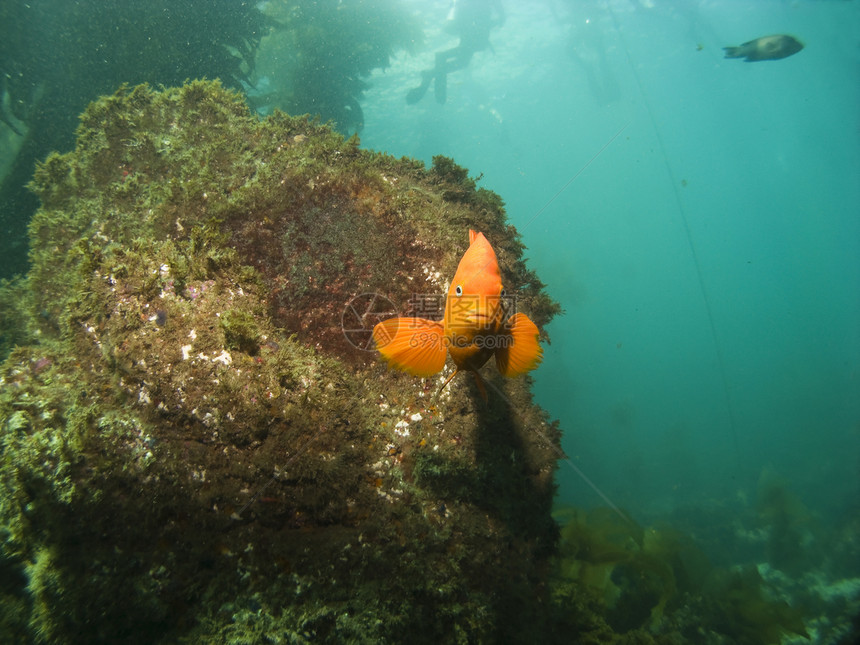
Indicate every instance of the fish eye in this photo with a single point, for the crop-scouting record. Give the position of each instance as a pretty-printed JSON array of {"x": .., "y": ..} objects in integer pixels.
[
  {"x": 458, "y": 290},
  {"x": 504, "y": 292}
]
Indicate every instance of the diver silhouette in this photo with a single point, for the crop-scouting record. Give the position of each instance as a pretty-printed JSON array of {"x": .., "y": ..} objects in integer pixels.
[{"x": 472, "y": 21}]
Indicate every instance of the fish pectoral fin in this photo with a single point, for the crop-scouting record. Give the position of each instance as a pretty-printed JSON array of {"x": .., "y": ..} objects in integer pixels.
[
  {"x": 482, "y": 389},
  {"x": 413, "y": 345},
  {"x": 522, "y": 352},
  {"x": 447, "y": 380}
]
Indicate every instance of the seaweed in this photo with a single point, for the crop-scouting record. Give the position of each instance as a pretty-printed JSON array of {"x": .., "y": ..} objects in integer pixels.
[
  {"x": 185, "y": 428},
  {"x": 740, "y": 608},
  {"x": 788, "y": 523},
  {"x": 55, "y": 59},
  {"x": 322, "y": 54},
  {"x": 656, "y": 585}
]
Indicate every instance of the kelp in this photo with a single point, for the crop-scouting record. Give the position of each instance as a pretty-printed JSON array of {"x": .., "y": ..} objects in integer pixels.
[{"x": 655, "y": 583}]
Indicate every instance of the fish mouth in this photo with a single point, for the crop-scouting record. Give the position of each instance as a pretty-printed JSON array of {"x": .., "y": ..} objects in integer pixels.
[
  {"x": 474, "y": 320},
  {"x": 482, "y": 321}
]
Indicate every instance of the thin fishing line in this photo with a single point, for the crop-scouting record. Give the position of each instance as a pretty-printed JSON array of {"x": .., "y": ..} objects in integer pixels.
[
  {"x": 557, "y": 450},
  {"x": 563, "y": 457},
  {"x": 689, "y": 236},
  {"x": 561, "y": 190},
  {"x": 578, "y": 173}
]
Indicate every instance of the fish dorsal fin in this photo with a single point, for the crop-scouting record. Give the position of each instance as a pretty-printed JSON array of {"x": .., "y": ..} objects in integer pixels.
[
  {"x": 413, "y": 345},
  {"x": 478, "y": 271},
  {"x": 523, "y": 353}
]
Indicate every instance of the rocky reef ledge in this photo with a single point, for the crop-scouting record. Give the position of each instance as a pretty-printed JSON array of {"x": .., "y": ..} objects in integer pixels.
[{"x": 193, "y": 449}]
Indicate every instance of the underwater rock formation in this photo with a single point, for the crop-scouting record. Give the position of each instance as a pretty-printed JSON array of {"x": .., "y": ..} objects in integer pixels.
[
  {"x": 192, "y": 450},
  {"x": 56, "y": 57}
]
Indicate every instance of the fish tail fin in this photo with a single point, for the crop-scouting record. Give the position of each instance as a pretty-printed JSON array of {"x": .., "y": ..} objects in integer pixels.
[
  {"x": 734, "y": 52},
  {"x": 522, "y": 352},
  {"x": 413, "y": 345}
]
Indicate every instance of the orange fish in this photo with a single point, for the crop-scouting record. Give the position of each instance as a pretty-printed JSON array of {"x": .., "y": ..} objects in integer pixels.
[{"x": 475, "y": 326}]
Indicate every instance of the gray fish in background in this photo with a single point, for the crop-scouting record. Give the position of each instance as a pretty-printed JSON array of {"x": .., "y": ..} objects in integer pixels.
[{"x": 766, "y": 48}]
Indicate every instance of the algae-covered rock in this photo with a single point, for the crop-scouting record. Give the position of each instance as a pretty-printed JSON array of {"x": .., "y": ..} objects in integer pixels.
[{"x": 194, "y": 450}]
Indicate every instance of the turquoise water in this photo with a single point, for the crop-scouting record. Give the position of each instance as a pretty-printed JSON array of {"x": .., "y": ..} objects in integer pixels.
[
  {"x": 707, "y": 257},
  {"x": 697, "y": 218}
]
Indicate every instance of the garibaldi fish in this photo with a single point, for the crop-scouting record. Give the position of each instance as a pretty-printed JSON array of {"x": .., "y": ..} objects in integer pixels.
[
  {"x": 765, "y": 48},
  {"x": 476, "y": 326}
]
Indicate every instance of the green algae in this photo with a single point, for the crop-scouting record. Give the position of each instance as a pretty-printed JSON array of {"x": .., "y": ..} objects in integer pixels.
[
  {"x": 47, "y": 81},
  {"x": 15, "y": 329},
  {"x": 788, "y": 524},
  {"x": 654, "y": 585},
  {"x": 320, "y": 57},
  {"x": 187, "y": 431},
  {"x": 240, "y": 331}
]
